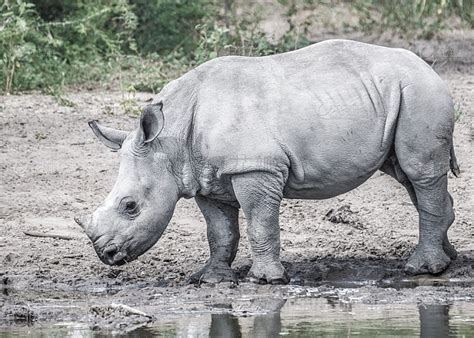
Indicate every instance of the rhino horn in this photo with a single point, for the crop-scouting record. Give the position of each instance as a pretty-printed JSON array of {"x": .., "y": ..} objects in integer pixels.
[{"x": 83, "y": 221}]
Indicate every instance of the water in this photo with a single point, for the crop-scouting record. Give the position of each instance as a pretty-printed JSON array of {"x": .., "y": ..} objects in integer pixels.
[{"x": 297, "y": 317}]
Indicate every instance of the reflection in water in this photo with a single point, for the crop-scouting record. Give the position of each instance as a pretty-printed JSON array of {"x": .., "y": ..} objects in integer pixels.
[
  {"x": 224, "y": 325},
  {"x": 323, "y": 317},
  {"x": 434, "y": 321},
  {"x": 267, "y": 325},
  {"x": 296, "y": 317}
]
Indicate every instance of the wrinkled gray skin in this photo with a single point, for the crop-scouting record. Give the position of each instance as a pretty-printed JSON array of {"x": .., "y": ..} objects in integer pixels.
[{"x": 240, "y": 132}]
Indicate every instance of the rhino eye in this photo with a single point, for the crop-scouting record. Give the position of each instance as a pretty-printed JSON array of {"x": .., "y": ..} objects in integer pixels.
[{"x": 130, "y": 206}]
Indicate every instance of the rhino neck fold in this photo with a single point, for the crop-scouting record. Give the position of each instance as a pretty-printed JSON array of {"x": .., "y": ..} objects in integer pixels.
[
  {"x": 179, "y": 99},
  {"x": 189, "y": 185},
  {"x": 178, "y": 164}
]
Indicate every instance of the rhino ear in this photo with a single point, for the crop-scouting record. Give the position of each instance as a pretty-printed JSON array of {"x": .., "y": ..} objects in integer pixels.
[
  {"x": 112, "y": 138},
  {"x": 152, "y": 121}
]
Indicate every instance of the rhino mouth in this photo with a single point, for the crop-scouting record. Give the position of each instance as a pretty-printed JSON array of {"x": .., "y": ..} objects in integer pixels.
[
  {"x": 119, "y": 261},
  {"x": 112, "y": 255}
]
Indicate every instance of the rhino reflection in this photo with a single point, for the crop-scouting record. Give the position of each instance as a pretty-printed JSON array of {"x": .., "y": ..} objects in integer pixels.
[
  {"x": 265, "y": 325},
  {"x": 224, "y": 325},
  {"x": 317, "y": 317},
  {"x": 434, "y": 321},
  {"x": 268, "y": 325}
]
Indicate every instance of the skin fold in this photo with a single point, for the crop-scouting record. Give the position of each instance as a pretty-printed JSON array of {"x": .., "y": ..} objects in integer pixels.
[{"x": 242, "y": 132}]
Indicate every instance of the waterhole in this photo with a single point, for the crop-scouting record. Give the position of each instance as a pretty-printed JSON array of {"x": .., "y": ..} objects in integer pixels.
[{"x": 297, "y": 317}]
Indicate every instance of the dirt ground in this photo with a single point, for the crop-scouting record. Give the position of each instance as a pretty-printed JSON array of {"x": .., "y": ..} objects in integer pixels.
[{"x": 52, "y": 168}]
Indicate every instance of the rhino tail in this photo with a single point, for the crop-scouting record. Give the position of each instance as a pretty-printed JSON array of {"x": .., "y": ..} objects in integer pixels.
[{"x": 453, "y": 163}]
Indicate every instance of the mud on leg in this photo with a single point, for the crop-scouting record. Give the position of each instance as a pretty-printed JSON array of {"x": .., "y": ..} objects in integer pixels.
[
  {"x": 260, "y": 194},
  {"x": 223, "y": 237}
]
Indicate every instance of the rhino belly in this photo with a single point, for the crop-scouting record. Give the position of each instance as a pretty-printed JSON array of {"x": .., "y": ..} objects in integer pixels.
[
  {"x": 339, "y": 164},
  {"x": 323, "y": 187}
]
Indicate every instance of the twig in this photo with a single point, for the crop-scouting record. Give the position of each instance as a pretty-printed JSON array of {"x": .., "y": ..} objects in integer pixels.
[
  {"x": 130, "y": 310},
  {"x": 45, "y": 235},
  {"x": 72, "y": 22}
]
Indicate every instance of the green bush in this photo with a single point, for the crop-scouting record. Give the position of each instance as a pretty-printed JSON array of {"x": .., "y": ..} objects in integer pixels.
[
  {"x": 413, "y": 18},
  {"x": 143, "y": 44},
  {"x": 166, "y": 25},
  {"x": 39, "y": 54},
  {"x": 215, "y": 36}
]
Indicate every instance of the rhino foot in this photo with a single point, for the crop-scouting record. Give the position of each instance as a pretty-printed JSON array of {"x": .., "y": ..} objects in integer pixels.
[
  {"x": 427, "y": 260},
  {"x": 449, "y": 249},
  {"x": 213, "y": 274},
  {"x": 273, "y": 273}
]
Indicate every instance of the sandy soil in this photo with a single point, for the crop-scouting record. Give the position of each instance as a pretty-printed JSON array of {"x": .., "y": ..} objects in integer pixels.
[{"x": 52, "y": 168}]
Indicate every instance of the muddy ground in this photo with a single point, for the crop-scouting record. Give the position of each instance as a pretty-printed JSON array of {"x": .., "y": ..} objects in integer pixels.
[{"x": 52, "y": 168}]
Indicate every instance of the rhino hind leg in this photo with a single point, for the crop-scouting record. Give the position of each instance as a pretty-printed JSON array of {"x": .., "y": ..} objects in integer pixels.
[
  {"x": 259, "y": 194},
  {"x": 423, "y": 146},
  {"x": 223, "y": 236},
  {"x": 432, "y": 254},
  {"x": 429, "y": 256},
  {"x": 424, "y": 169},
  {"x": 392, "y": 168}
]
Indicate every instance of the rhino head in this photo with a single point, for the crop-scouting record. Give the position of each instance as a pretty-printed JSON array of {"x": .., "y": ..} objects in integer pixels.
[{"x": 135, "y": 213}]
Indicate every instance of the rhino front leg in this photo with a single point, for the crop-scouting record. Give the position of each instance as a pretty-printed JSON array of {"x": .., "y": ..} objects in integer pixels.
[
  {"x": 259, "y": 195},
  {"x": 223, "y": 235}
]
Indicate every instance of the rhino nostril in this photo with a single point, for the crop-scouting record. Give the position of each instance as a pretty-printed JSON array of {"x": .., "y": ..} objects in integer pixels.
[{"x": 109, "y": 252}]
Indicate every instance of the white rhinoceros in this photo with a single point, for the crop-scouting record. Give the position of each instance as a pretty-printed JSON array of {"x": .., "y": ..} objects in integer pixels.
[{"x": 246, "y": 132}]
